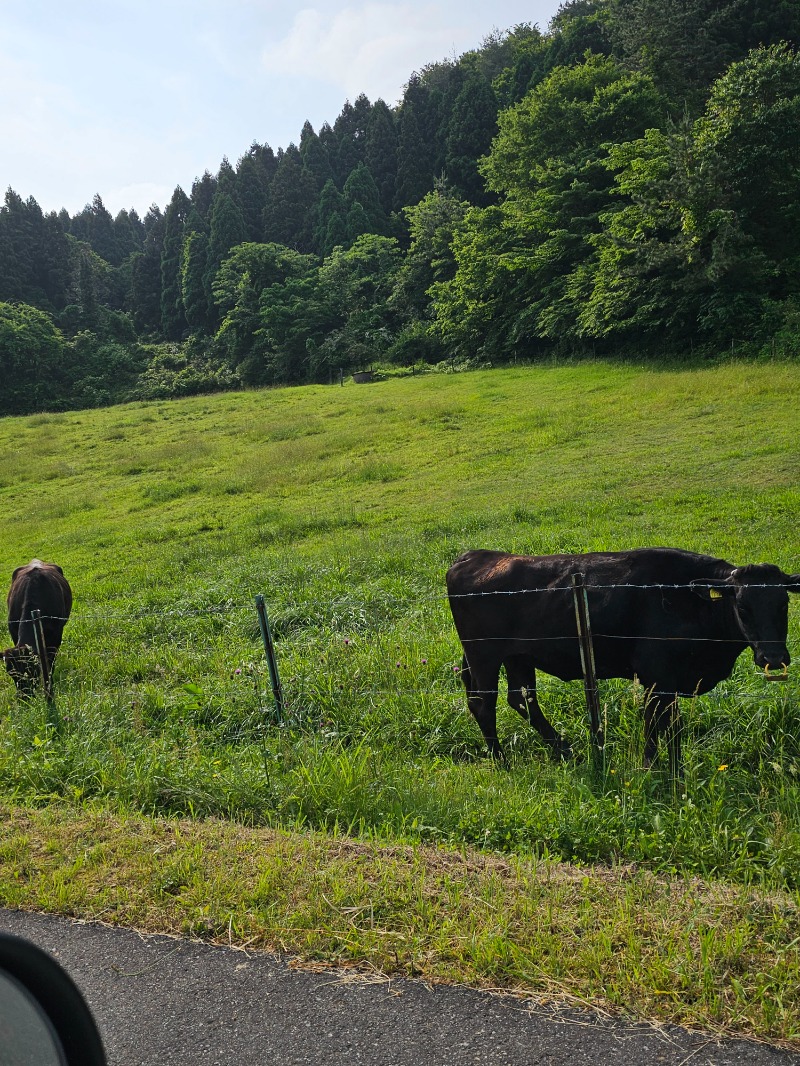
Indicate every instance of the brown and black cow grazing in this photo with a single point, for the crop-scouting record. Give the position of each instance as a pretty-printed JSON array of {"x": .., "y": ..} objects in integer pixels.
[
  {"x": 36, "y": 587},
  {"x": 675, "y": 620}
]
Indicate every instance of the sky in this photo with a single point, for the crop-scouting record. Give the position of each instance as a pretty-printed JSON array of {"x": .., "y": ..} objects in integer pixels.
[{"x": 129, "y": 98}]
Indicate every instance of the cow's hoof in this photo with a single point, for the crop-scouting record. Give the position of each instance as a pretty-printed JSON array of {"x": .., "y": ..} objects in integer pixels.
[{"x": 561, "y": 751}]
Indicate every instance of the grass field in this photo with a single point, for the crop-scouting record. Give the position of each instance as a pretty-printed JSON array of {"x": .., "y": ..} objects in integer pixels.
[{"x": 344, "y": 506}]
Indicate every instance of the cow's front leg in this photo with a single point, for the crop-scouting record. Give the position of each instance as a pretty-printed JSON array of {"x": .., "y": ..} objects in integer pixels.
[{"x": 480, "y": 680}]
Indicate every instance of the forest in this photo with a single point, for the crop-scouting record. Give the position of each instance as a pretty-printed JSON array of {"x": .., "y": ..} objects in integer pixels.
[{"x": 625, "y": 184}]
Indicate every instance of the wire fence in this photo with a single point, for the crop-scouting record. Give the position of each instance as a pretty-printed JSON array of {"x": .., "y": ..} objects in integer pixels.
[
  {"x": 360, "y": 687},
  {"x": 414, "y": 704},
  {"x": 228, "y": 608},
  {"x": 110, "y": 615}
]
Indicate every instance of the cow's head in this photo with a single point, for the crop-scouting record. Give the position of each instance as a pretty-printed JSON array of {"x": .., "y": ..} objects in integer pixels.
[
  {"x": 22, "y": 665},
  {"x": 761, "y": 605}
]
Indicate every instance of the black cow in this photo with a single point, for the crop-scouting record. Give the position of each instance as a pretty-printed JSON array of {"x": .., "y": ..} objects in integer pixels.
[
  {"x": 39, "y": 587},
  {"x": 675, "y": 620}
]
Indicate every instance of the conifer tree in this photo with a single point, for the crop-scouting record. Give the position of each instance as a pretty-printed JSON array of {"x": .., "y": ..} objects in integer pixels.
[
  {"x": 414, "y": 172},
  {"x": 426, "y": 94},
  {"x": 194, "y": 278},
  {"x": 289, "y": 214},
  {"x": 227, "y": 230},
  {"x": 380, "y": 152},
  {"x": 226, "y": 179},
  {"x": 173, "y": 319},
  {"x": 128, "y": 234},
  {"x": 362, "y": 204},
  {"x": 330, "y": 228},
  {"x": 578, "y": 27},
  {"x": 146, "y": 275},
  {"x": 472, "y": 125},
  {"x": 265, "y": 157},
  {"x": 350, "y": 129},
  {"x": 251, "y": 192},
  {"x": 89, "y": 315},
  {"x": 329, "y": 144},
  {"x": 686, "y": 44},
  {"x": 314, "y": 156},
  {"x": 203, "y": 190},
  {"x": 53, "y": 262},
  {"x": 526, "y": 67},
  {"x": 16, "y": 264},
  {"x": 95, "y": 226},
  {"x": 35, "y": 262}
]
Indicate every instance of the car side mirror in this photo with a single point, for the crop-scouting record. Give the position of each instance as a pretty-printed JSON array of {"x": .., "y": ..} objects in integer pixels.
[{"x": 44, "y": 1019}]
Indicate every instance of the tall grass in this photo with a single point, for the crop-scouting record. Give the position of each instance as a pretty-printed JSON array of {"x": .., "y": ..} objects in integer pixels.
[{"x": 345, "y": 507}]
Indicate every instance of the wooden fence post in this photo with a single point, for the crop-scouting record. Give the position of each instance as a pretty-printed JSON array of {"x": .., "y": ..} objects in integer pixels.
[
  {"x": 587, "y": 659},
  {"x": 269, "y": 650}
]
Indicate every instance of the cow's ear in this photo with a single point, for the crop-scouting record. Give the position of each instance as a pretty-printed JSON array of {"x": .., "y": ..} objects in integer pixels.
[
  {"x": 793, "y": 583},
  {"x": 712, "y": 591}
]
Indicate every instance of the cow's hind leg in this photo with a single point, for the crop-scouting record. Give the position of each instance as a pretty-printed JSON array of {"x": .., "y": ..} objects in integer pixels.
[
  {"x": 522, "y": 697},
  {"x": 480, "y": 680}
]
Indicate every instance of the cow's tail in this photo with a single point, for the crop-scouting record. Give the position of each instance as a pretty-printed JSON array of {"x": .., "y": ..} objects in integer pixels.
[{"x": 25, "y": 622}]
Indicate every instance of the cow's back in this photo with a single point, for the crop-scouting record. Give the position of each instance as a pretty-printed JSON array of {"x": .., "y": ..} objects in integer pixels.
[
  {"x": 38, "y": 586},
  {"x": 483, "y": 573}
]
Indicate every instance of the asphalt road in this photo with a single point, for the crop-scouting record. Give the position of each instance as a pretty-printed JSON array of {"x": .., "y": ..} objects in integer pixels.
[{"x": 160, "y": 1001}]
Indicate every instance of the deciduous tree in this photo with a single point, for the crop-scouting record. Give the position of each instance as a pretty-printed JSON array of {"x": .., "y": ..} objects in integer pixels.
[{"x": 32, "y": 353}]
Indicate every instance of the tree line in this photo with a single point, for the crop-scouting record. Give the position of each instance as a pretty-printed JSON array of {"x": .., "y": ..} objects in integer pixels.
[{"x": 626, "y": 182}]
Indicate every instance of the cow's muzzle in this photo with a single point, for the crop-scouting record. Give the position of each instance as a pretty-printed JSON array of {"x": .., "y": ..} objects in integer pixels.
[{"x": 774, "y": 662}]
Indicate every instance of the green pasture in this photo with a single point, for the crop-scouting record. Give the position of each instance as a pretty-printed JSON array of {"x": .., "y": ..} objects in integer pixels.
[{"x": 344, "y": 506}]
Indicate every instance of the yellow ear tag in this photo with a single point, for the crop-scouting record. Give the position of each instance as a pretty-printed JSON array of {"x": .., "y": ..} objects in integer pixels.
[{"x": 714, "y": 595}]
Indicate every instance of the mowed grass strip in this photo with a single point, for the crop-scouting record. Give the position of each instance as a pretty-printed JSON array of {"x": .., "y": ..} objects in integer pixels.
[{"x": 708, "y": 956}]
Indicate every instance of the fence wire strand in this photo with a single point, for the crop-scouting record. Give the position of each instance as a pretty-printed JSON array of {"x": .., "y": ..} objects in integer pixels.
[{"x": 142, "y": 614}]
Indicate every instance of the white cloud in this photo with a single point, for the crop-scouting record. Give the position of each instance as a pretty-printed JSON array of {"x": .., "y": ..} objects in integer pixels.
[
  {"x": 131, "y": 99},
  {"x": 371, "y": 48}
]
